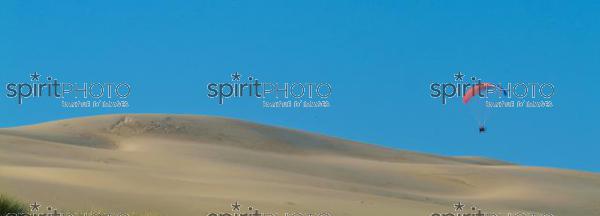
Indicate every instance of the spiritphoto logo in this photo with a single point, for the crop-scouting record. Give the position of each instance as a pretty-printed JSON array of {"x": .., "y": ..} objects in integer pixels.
[
  {"x": 37, "y": 209},
  {"x": 71, "y": 94},
  {"x": 495, "y": 94},
  {"x": 462, "y": 209},
  {"x": 272, "y": 94},
  {"x": 237, "y": 209}
]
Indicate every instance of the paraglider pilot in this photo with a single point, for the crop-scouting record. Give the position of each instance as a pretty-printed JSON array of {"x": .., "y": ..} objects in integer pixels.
[{"x": 481, "y": 129}]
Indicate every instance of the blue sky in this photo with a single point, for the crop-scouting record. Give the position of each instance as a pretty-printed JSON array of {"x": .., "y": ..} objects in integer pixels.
[{"x": 380, "y": 57}]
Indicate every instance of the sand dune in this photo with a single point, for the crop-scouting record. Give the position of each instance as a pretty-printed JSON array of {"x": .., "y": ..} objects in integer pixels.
[{"x": 184, "y": 165}]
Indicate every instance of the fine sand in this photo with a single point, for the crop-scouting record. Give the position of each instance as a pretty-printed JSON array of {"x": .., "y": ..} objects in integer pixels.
[{"x": 197, "y": 165}]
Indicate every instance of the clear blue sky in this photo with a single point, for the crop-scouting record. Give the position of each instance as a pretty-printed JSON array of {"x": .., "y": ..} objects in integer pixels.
[{"x": 380, "y": 57}]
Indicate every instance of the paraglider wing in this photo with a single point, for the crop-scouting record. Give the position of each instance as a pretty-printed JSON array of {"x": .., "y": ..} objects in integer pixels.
[{"x": 475, "y": 90}]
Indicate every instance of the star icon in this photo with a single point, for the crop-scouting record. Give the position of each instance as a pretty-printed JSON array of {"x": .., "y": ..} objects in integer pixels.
[
  {"x": 459, "y": 76},
  {"x": 235, "y": 76},
  {"x": 236, "y": 206},
  {"x": 459, "y": 206},
  {"x": 35, "y": 76},
  {"x": 35, "y": 206}
]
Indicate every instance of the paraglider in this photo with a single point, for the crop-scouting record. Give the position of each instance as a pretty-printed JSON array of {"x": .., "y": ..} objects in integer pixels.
[{"x": 479, "y": 89}]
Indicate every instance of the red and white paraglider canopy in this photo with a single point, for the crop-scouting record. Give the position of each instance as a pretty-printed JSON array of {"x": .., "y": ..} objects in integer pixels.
[{"x": 475, "y": 90}]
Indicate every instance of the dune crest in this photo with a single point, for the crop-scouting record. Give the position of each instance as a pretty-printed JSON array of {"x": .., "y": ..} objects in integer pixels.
[
  {"x": 108, "y": 131},
  {"x": 178, "y": 165}
]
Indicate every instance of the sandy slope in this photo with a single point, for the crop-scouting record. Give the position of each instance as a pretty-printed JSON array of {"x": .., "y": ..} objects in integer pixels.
[{"x": 180, "y": 165}]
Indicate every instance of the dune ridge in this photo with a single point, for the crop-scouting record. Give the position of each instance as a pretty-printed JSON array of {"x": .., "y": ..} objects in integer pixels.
[{"x": 181, "y": 164}]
